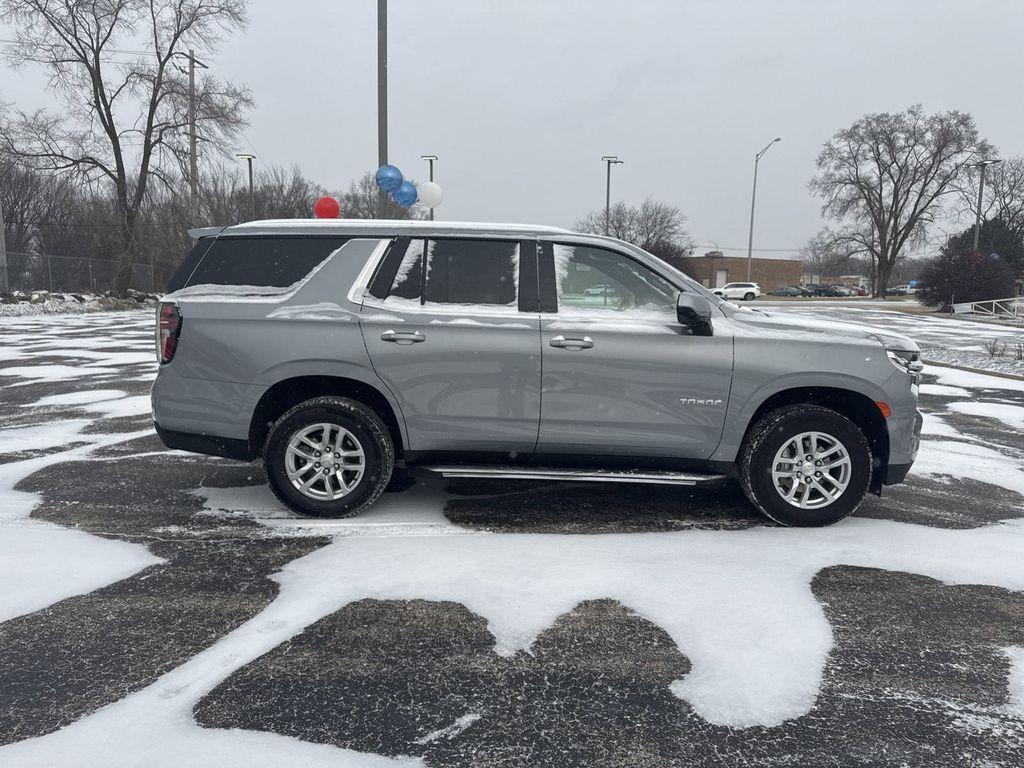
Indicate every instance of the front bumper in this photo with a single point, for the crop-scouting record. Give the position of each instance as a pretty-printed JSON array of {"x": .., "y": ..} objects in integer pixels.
[{"x": 896, "y": 472}]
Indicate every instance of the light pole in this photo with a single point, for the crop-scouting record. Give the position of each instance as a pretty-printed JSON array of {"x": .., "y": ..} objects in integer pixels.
[
  {"x": 382, "y": 97},
  {"x": 981, "y": 165},
  {"x": 753, "y": 200},
  {"x": 252, "y": 195},
  {"x": 430, "y": 159},
  {"x": 609, "y": 160}
]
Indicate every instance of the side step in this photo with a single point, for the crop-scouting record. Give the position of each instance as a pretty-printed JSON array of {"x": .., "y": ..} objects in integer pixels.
[{"x": 656, "y": 477}]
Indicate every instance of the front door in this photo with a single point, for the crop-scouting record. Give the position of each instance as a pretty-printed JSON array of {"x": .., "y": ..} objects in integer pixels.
[
  {"x": 621, "y": 376},
  {"x": 456, "y": 341}
]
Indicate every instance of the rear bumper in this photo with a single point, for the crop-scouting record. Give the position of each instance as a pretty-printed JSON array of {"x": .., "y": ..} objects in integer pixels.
[{"x": 211, "y": 445}]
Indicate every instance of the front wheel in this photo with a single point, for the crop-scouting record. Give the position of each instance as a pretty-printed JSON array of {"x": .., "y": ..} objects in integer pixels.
[
  {"x": 328, "y": 457},
  {"x": 805, "y": 465}
]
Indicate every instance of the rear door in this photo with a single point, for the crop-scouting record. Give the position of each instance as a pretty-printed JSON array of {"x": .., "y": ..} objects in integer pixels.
[
  {"x": 622, "y": 377},
  {"x": 452, "y": 328}
]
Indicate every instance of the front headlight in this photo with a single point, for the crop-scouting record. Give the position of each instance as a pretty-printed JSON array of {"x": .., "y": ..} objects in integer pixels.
[{"x": 908, "y": 360}]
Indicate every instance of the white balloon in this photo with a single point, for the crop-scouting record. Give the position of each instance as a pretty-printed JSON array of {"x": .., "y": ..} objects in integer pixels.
[{"x": 430, "y": 194}]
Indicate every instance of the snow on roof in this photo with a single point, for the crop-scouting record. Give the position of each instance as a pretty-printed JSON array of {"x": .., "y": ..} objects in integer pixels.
[
  {"x": 373, "y": 225},
  {"x": 388, "y": 224}
]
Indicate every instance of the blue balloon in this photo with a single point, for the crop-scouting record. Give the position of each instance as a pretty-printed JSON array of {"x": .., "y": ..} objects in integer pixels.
[
  {"x": 405, "y": 195},
  {"x": 389, "y": 178}
]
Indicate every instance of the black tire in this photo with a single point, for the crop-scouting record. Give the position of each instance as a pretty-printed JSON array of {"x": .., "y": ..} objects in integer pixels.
[
  {"x": 361, "y": 422},
  {"x": 773, "y": 431},
  {"x": 748, "y": 297}
]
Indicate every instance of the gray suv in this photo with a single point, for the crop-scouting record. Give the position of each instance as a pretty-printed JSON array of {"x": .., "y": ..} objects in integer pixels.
[{"x": 338, "y": 350}]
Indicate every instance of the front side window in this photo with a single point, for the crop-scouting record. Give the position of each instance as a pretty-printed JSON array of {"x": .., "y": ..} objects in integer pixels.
[
  {"x": 457, "y": 272},
  {"x": 589, "y": 279}
]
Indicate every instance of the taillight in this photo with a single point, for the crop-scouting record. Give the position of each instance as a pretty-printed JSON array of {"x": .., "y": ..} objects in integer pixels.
[{"x": 168, "y": 328}]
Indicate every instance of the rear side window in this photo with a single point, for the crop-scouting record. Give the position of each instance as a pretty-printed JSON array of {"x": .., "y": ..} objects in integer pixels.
[
  {"x": 464, "y": 272},
  {"x": 276, "y": 262},
  {"x": 472, "y": 272},
  {"x": 189, "y": 264}
]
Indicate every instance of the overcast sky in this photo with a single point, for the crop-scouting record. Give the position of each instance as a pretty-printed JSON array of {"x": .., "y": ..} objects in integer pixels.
[{"x": 521, "y": 99}]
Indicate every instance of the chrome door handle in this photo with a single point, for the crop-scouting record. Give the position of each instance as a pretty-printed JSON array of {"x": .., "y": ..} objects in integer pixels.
[
  {"x": 402, "y": 338},
  {"x": 574, "y": 345}
]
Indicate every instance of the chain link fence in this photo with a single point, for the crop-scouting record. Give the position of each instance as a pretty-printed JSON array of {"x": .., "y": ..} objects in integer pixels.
[{"x": 29, "y": 272}]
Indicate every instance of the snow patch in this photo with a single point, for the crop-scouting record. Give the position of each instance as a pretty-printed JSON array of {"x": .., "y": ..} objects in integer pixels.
[
  {"x": 76, "y": 398},
  {"x": 1011, "y": 415},
  {"x": 971, "y": 380},
  {"x": 75, "y": 562},
  {"x": 451, "y": 731},
  {"x": 1015, "y": 683},
  {"x": 40, "y": 436}
]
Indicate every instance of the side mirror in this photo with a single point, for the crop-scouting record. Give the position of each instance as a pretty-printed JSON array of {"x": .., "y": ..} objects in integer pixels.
[{"x": 694, "y": 312}]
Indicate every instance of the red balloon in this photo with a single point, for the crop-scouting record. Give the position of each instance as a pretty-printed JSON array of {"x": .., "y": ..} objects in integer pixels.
[{"x": 327, "y": 208}]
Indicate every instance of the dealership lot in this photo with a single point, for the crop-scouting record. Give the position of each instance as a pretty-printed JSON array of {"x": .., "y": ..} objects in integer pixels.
[{"x": 162, "y": 609}]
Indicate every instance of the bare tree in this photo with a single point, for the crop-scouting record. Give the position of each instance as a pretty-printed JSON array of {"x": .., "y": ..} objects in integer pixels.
[
  {"x": 657, "y": 227},
  {"x": 360, "y": 202},
  {"x": 884, "y": 177},
  {"x": 115, "y": 67},
  {"x": 1003, "y": 195},
  {"x": 29, "y": 199},
  {"x": 845, "y": 251}
]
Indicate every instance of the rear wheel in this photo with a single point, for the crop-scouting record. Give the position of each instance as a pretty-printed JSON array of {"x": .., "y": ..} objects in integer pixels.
[
  {"x": 748, "y": 297},
  {"x": 805, "y": 465},
  {"x": 328, "y": 457}
]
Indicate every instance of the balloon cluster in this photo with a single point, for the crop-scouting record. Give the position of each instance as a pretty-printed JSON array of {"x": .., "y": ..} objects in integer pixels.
[{"x": 404, "y": 192}]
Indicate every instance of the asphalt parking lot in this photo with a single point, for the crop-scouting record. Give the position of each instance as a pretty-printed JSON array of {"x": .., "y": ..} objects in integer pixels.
[{"x": 162, "y": 609}]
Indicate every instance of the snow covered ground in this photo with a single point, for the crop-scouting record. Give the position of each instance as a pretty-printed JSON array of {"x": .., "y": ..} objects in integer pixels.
[{"x": 161, "y": 609}]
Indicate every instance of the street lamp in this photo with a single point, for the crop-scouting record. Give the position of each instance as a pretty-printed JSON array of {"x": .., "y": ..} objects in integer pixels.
[
  {"x": 753, "y": 199},
  {"x": 982, "y": 165},
  {"x": 252, "y": 195},
  {"x": 430, "y": 159},
  {"x": 609, "y": 160}
]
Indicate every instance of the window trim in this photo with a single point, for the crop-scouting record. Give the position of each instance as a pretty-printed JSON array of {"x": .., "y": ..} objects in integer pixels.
[{"x": 546, "y": 270}]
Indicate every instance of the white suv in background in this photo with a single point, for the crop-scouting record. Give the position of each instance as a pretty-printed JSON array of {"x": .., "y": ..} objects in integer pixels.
[{"x": 744, "y": 291}]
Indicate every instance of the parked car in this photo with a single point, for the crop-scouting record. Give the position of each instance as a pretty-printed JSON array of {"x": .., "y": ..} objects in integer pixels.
[
  {"x": 829, "y": 290},
  {"x": 786, "y": 290},
  {"x": 599, "y": 290},
  {"x": 336, "y": 351},
  {"x": 901, "y": 290},
  {"x": 743, "y": 291}
]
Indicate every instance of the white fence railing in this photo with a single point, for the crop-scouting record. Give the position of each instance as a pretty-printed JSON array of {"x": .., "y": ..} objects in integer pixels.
[{"x": 1011, "y": 307}]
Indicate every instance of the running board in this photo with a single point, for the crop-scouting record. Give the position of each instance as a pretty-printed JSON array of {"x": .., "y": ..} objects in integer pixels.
[{"x": 656, "y": 477}]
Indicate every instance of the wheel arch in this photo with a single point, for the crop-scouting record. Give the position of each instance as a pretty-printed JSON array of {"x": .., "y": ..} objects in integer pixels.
[
  {"x": 289, "y": 392},
  {"x": 856, "y": 406}
]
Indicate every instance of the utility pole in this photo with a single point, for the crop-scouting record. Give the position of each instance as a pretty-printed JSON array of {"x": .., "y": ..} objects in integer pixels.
[
  {"x": 193, "y": 159},
  {"x": 193, "y": 138},
  {"x": 609, "y": 160},
  {"x": 753, "y": 199},
  {"x": 981, "y": 165},
  {"x": 252, "y": 194},
  {"x": 382, "y": 97},
  {"x": 430, "y": 159}
]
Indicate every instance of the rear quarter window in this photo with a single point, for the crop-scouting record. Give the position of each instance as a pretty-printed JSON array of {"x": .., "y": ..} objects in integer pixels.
[{"x": 276, "y": 262}]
